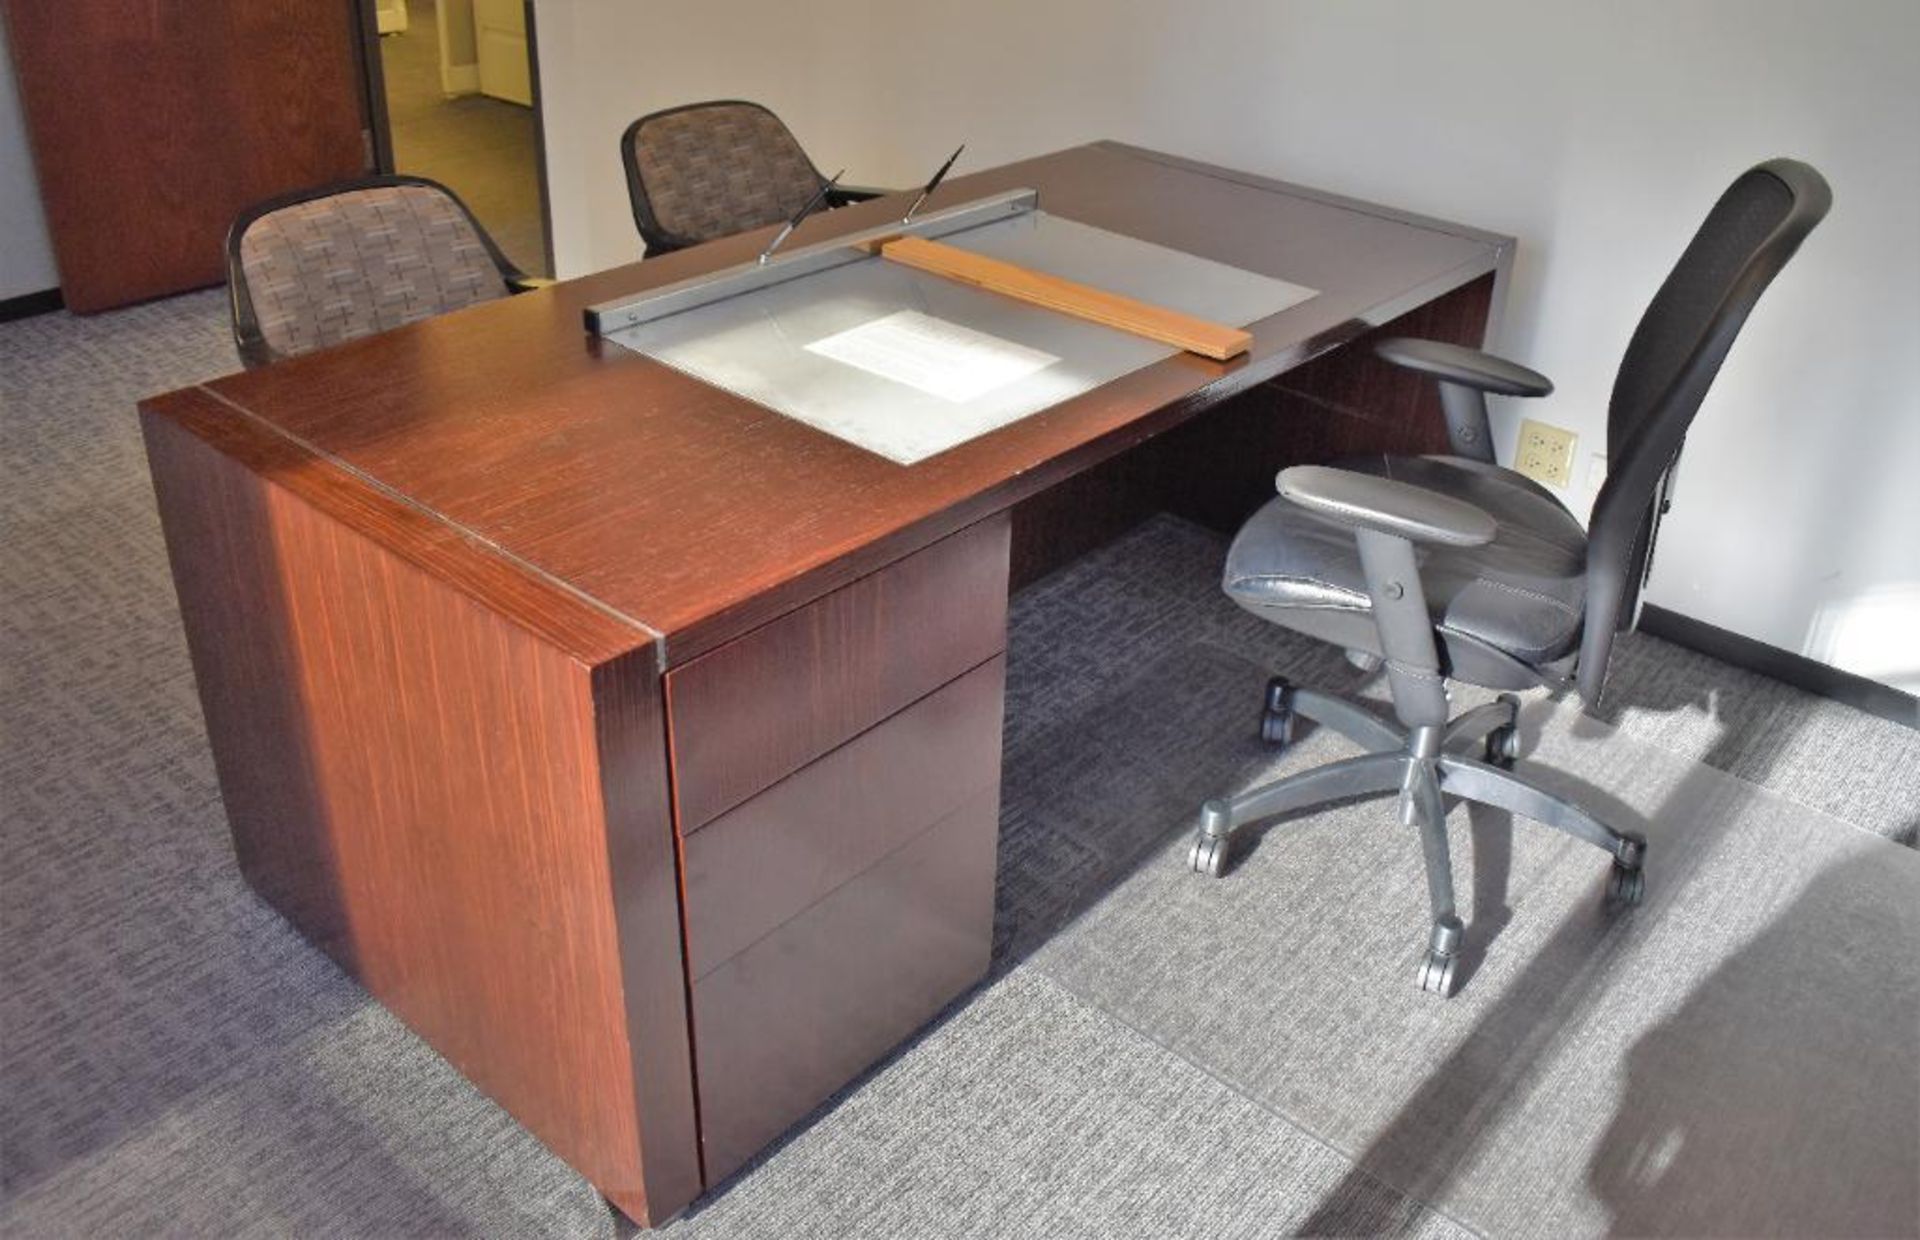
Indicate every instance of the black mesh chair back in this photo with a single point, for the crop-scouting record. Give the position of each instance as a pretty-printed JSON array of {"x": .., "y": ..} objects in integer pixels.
[
  {"x": 322, "y": 266},
  {"x": 1669, "y": 364},
  {"x": 707, "y": 170}
]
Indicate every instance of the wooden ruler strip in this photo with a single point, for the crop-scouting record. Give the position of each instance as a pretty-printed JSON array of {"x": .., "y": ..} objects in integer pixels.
[{"x": 1142, "y": 318}]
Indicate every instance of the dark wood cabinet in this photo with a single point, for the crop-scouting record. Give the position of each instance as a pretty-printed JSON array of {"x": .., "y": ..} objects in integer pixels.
[{"x": 845, "y": 902}]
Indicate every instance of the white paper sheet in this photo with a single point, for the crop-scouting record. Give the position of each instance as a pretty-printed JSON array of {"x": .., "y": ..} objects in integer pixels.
[{"x": 933, "y": 356}]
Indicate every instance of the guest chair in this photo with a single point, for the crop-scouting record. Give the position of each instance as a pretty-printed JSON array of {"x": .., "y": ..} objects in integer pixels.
[
  {"x": 1452, "y": 568},
  {"x": 707, "y": 170},
  {"x": 322, "y": 266}
]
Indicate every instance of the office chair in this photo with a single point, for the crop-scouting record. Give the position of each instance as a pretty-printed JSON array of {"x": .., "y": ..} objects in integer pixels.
[
  {"x": 322, "y": 266},
  {"x": 707, "y": 170},
  {"x": 1452, "y": 568}
]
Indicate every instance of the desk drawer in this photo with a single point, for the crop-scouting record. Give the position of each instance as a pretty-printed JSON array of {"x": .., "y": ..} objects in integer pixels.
[
  {"x": 765, "y": 862},
  {"x": 761, "y": 707},
  {"x": 805, "y": 1009}
]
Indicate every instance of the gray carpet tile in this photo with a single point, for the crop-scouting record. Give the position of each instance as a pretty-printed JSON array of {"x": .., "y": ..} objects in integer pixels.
[
  {"x": 1735, "y": 1057},
  {"x": 350, "y": 1128},
  {"x": 1030, "y": 1114},
  {"x": 1819, "y": 752},
  {"x": 174, "y": 1060},
  {"x": 1084, "y": 799}
]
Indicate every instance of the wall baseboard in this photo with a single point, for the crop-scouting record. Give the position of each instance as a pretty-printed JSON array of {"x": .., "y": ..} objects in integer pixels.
[
  {"x": 27, "y": 305},
  {"x": 1783, "y": 665}
]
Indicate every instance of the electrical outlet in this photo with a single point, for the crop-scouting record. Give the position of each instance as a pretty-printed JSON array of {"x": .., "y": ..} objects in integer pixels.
[{"x": 1545, "y": 453}]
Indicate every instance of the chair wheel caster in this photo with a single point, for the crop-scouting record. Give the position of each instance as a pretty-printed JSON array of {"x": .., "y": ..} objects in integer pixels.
[
  {"x": 1436, "y": 974},
  {"x": 1276, "y": 718},
  {"x": 1209, "y": 855},
  {"x": 1625, "y": 886},
  {"x": 1503, "y": 747}
]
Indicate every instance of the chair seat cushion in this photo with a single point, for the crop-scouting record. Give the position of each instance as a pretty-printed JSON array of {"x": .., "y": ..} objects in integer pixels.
[{"x": 1521, "y": 595}]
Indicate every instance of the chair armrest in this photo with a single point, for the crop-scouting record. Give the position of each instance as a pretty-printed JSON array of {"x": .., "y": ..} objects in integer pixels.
[
  {"x": 1389, "y": 507},
  {"x": 527, "y": 284},
  {"x": 1452, "y": 363},
  {"x": 841, "y": 195}
]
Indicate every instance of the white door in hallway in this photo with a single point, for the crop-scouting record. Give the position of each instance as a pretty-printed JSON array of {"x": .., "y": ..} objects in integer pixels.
[
  {"x": 500, "y": 27},
  {"x": 391, "y": 16}
]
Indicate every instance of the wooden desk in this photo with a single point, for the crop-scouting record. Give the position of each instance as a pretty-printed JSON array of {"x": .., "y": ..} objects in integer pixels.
[{"x": 639, "y": 747}]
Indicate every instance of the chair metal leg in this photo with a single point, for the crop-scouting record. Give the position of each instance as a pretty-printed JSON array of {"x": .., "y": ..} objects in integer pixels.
[
  {"x": 1489, "y": 785},
  {"x": 1423, "y": 807},
  {"x": 1359, "y": 726},
  {"x": 1336, "y": 781},
  {"x": 1362, "y": 776},
  {"x": 1424, "y": 764},
  {"x": 1467, "y": 730}
]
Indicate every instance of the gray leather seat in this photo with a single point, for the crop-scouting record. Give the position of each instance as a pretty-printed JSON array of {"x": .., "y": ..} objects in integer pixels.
[{"x": 1522, "y": 595}]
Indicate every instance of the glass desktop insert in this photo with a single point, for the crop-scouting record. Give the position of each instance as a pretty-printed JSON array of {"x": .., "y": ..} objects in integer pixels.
[{"x": 907, "y": 364}]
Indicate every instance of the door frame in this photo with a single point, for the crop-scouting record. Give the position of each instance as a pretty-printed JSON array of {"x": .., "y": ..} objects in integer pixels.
[
  {"x": 379, "y": 130},
  {"x": 373, "y": 82}
]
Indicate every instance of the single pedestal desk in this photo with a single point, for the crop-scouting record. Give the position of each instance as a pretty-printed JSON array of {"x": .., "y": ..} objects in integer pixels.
[{"x": 639, "y": 746}]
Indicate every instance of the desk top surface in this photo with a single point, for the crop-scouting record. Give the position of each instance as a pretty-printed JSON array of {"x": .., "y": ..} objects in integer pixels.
[{"x": 668, "y": 511}]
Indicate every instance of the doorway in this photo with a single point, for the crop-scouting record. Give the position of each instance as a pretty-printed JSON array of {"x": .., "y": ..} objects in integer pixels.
[{"x": 460, "y": 94}]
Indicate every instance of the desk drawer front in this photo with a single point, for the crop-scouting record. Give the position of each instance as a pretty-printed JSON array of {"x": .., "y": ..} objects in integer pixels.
[
  {"x": 765, "y": 862},
  {"x": 795, "y": 1016},
  {"x": 759, "y": 708}
]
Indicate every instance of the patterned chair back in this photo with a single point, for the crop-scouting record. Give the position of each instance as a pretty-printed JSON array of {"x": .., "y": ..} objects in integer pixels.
[
  {"x": 352, "y": 260},
  {"x": 710, "y": 170}
]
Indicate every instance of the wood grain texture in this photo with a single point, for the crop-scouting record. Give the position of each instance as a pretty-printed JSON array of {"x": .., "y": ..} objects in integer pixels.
[
  {"x": 1083, "y": 301},
  {"x": 519, "y": 592},
  {"x": 1086, "y": 511},
  {"x": 643, "y": 888},
  {"x": 445, "y": 803},
  {"x": 153, "y": 124},
  {"x": 842, "y": 983},
  {"x": 761, "y": 707},
  {"x": 522, "y": 431},
  {"x": 1356, "y": 380},
  {"x": 764, "y": 862},
  {"x": 1220, "y": 469}
]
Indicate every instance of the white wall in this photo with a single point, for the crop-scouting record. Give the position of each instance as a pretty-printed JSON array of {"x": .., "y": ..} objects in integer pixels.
[
  {"x": 1598, "y": 134},
  {"x": 26, "y": 256}
]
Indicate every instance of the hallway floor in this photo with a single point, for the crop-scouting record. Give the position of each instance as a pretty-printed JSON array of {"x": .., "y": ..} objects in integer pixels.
[{"x": 486, "y": 150}]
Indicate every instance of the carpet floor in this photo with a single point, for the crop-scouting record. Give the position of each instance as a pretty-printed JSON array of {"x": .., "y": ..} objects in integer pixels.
[{"x": 1154, "y": 1054}]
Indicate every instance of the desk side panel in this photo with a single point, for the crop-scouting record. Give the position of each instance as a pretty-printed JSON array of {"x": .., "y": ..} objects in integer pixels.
[{"x": 428, "y": 791}]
